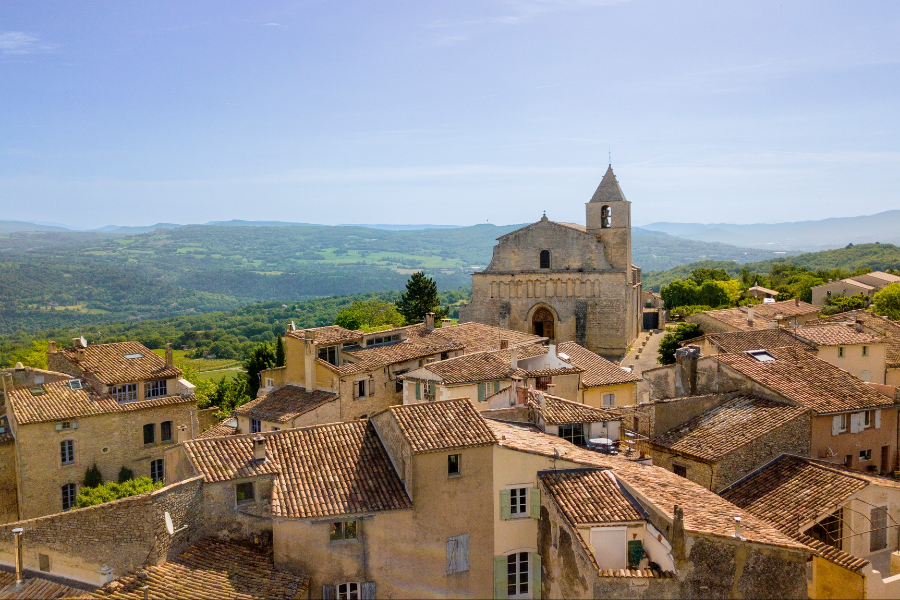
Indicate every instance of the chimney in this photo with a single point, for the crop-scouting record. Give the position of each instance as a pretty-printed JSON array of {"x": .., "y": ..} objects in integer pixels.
[
  {"x": 170, "y": 360},
  {"x": 737, "y": 529},
  {"x": 514, "y": 359},
  {"x": 773, "y": 324},
  {"x": 259, "y": 448},
  {"x": 309, "y": 360},
  {"x": 796, "y": 301},
  {"x": 17, "y": 536},
  {"x": 678, "y": 549},
  {"x": 182, "y": 434},
  {"x": 51, "y": 346},
  {"x": 429, "y": 321},
  {"x": 504, "y": 344},
  {"x": 446, "y": 322},
  {"x": 686, "y": 371},
  {"x": 750, "y": 316}
]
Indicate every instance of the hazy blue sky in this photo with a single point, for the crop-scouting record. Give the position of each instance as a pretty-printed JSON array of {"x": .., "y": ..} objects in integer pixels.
[{"x": 446, "y": 112}]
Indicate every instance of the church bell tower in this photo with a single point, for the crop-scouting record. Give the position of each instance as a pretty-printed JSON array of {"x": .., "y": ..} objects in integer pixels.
[{"x": 609, "y": 219}]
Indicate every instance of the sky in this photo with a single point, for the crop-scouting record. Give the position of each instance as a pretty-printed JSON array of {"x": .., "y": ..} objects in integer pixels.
[{"x": 454, "y": 112}]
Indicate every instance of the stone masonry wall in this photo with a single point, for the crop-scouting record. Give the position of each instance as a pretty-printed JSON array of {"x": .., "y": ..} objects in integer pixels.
[
  {"x": 122, "y": 535},
  {"x": 9, "y": 503}
]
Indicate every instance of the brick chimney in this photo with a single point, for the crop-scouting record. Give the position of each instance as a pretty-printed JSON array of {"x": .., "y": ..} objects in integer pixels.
[
  {"x": 429, "y": 321},
  {"x": 686, "y": 371},
  {"x": 259, "y": 449},
  {"x": 170, "y": 360}
]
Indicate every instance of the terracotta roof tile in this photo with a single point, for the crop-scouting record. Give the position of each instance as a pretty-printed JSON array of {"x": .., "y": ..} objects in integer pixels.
[
  {"x": 741, "y": 341},
  {"x": 808, "y": 381},
  {"x": 732, "y": 317},
  {"x": 211, "y": 569},
  {"x": 881, "y": 325},
  {"x": 724, "y": 429},
  {"x": 108, "y": 364},
  {"x": 222, "y": 428},
  {"x": 597, "y": 370},
  {"x": 835, "y": 335},
  {"x": 442, "y": 425},
  {"x": 323, "y": 470},
  {"x": 483, "y": 366},
  {"x": 830, "y": 553},
  {"x": 60, "y": 402},
  {"x": 34, "y": 588},
  {"x": 787, "y": 308},
  {"x": 704, "y": 511},
  {"x": 556, "y": 411},
  {"x": 590, "y": 496},
  {"x": 284, "y": 404},
  {"x": 328, "y": 335}
]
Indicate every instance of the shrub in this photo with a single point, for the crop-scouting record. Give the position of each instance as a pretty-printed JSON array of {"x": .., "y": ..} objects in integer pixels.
[
  {"x": 92, "y": 477},
  {"x": 683, "y": 312},
  {"x": 674, "y": 336},
  {"x": 887, "y": 302},
  {"x": 125, "y": 474},
  {"x": 107, "y": 492}
]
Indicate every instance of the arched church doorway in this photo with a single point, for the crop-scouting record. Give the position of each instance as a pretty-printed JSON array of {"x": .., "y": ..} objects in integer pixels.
[{"x": 542, "y": 323}]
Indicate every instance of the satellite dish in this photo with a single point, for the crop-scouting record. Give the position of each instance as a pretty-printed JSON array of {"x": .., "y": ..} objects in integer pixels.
[{"x": 169, "y": 526}]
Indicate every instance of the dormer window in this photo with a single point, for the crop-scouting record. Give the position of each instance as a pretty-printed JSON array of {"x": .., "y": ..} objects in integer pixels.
[
  {"x": 155, "y": 389},
  {"x": 126, "y": 392},
  {"x": 545, "y": 259},
  {"x": 329, "y": 354}
]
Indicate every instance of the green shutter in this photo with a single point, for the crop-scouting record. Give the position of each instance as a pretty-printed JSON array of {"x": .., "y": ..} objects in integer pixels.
[
  {"x": 535, "y": 576},
  {"x": 535, "y": 503},
  {"x": 505, "y": 502},
  {"x": 481, "y": 392},
  {"x": 500, "y": 577},
  {"x": 496, "y": 386},
  {"x": 418, "y": 391}
]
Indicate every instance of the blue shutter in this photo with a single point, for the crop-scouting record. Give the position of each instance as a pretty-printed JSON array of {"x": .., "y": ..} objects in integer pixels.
[{"x": 368, "y": 590}]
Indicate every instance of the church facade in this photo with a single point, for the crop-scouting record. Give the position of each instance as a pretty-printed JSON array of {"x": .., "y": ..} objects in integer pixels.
[{"x": 566, "y": 281}]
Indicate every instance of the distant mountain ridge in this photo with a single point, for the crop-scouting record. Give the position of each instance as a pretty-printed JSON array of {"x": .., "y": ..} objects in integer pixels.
[{"x": 823, "y": 234}]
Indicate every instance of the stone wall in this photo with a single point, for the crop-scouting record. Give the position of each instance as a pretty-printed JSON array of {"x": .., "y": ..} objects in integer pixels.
[
  {"x": 121, "y": 536},
  {"x": 206, "y": 418},
  {"x": 9, "y": 502}
]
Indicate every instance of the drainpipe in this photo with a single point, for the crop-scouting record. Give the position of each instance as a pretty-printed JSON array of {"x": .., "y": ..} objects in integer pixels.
[{"x": 17, "y": 534}]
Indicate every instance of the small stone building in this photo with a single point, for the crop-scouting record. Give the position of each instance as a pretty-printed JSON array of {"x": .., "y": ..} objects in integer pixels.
[{"x": 564, "y": 281}]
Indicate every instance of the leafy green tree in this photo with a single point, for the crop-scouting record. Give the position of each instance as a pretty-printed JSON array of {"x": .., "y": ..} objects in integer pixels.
[
  {"x": 261, "y": 357},
  {"x": 92, "y": 476},
  {"x": 125, "y": 474},
  {"x": 369, "y": 315},
  {"x": 702, "y": 275},
  {"x": 845, "y": 303},
  {"x": 887, "y": 302},
  {"x": 279, "y": 352},
  {"x": 713, "y": 293},
  {"x": 420, "y": 298},
  {"x": 680, "y": 293},
  {"x": 672, "y": 339},
  {"x": 33, "y": 355},
  {"x": 107, "y": 492}
]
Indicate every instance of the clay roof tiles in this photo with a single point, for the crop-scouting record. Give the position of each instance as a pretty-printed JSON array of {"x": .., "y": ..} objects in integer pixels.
[
  {"x": 556, "y": 411},
  {"x": 484, "y": 366},
  {"x": 34, "y": 588},
  {"x": 741, "y": 341},
  {"x": 56, "y": 401},
  {"x": 328, "y": 335},
  {"x": 597, "y": 370},
  {"x": 889, "y": 329},
  {"x": 222, "y": 428},
  {"x": 323, "y": 470},
  {"x": 284, "y": 404},
  {"x": 835, "y": 335},
  {"x": 787, "y": 308},
  {"x": 808, "y": 381},
  {"x": 732, "y": 317},
  {"x": 442, "y": 425},
  {"x": 109, "y": 364},
  {"x": 704, "y": 511},
  {"x": 726, "y": 428},
  {"x": 590, "y": 496},
  {"x": 211, "y": 569}
]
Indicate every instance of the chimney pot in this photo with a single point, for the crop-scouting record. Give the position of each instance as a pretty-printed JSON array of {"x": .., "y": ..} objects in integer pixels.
[
  {"x": 737, "y": 529},
  {"x": 796, "y": 301},
  {"x": 17, "y": 536},
  {"x": 750, "y": 316},
  {"x": 446, "y": 322},
  {"x": 514, "y": 359},
  {"x": 51, "y": 346},
  {"x": 170, "y": 359},
  {"x": 429, "y": 321},
  {"x": 259, "y": 448}
]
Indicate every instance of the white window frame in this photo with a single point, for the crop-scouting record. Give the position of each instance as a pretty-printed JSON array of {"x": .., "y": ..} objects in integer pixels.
[
  {"x": 519, "y": 579},
  {"x": 868, "y": 419},
  {"x": 844, "y": 419},
  {"x": 255, "y": 425},
  {"x": 67, "y": 450},
  {"x": 349, "y": 590},
  {"x": 126, "y": 392},
  {"x": 865, "y": 455},
  {"x": 519, "y": 507},
  {"x": 156, "y": 388},
  {"x": 270, "y": 382}
]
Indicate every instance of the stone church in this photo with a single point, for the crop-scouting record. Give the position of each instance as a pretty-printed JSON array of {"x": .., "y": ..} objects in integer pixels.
[{"x": 565, "y": 281}]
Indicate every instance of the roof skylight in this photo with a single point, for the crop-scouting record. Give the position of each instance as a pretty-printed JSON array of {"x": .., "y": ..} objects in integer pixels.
[
  {"x": 761, "y": 355},
  {"x": 135, "y": 355}
]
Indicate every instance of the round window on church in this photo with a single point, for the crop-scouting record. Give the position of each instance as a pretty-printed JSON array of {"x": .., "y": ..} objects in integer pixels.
[{"x": 545, "y": 259}]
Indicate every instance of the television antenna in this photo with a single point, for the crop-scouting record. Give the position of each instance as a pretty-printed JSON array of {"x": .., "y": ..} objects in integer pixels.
[{"x": 170, "y": 528}]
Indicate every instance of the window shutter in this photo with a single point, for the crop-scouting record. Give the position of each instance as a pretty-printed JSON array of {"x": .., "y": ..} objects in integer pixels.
[
  {"x": 463, "y": 552},
  {"x": 536, "y": 576},
  {"x": 59, "y": 426},
  {"x": 481, "y": 392},
  {"x": 496, "y": 386},
  {"x": 500, "y": 577},
  {"x": 74, "y": 424},
  {"x": 856, "y": 422},
  {"x": 418, "y": 390},
  {"x": 877, "y": 419},
  {"x": 835, "y": 424},
  {"x": 505, "y": 502},
  {"x": 452, "y": 549},
  {"x": 535, "y": 503},
  {"x": 368, "y": 590},
  {"x": 329, "y": 592}
]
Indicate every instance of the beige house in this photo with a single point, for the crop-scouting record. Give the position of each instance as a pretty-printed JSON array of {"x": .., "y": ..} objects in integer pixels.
[
  {"x": 880, "y": 326},
  {"x": 114, "y": 405},
  {"x": 286, "y": 407},
  {"x": 758, "y": 291},
  {"x": 867, "y": 285},
  {"x": 565, "y": 281},
  {"x": 363, "y": 370},
  {"x": 790, "y": 313},
  {"x": 847, "y": 517}
]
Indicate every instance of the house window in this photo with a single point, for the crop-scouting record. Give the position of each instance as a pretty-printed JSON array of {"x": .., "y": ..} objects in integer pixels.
[
  {"x": 348, "y": 591},
  {"x": 430, "y": 393},
  {"x": 445, "y": 355},
  {"x": 868, "y": 418},
  {"x": 345, "y": 530},
  {"x": 829, "y": 530},
  {"x": 69, "y": 494},
  {"x": 255, "y": 425},
  {"x": 680, "y": 470},
  {"x": 149, "y": 433},
  {"x": 124, "y": 393},
  {"x": 518, "y": 501},
  {"x": 329, "y": 354},
  {"x": 243, "y": 492},
  {"x": 157, "y": 470},
  {"x": 458, "y": 554},
  {"x": 878, "y": 535},
  {"x": 848, "y": 461},
  {"x": 64, "y": 426},
  {"x": 398, "y": 386},
  {"x": 609, "y": 400},
  {"x": 865, "y": 350},
  {"x": 155, "y": 389},
  {"x": 517, "y": 574},
  {"x": 165, "y": 431},
  {"x": 545, "y": 259},
  {"x": 840, "y": 352},
  {"x": 453, "y": 466},
  {"x": 865, "y": 454},
  {"x": 67, "y": 452},
  {"x": 543, "y": 383},
  {"x": 270, "y": 382},
  {"x": 842, "y": 422},
  {"x": 573, "y": 432},
  {"x": 362, "y": 388}
]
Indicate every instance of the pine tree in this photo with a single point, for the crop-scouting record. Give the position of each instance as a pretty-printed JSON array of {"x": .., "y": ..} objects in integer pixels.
[
  {"x": 420, "y": 298},
  {"x": 92, "y": 477},
  {"x": 279, "y": 352}
]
